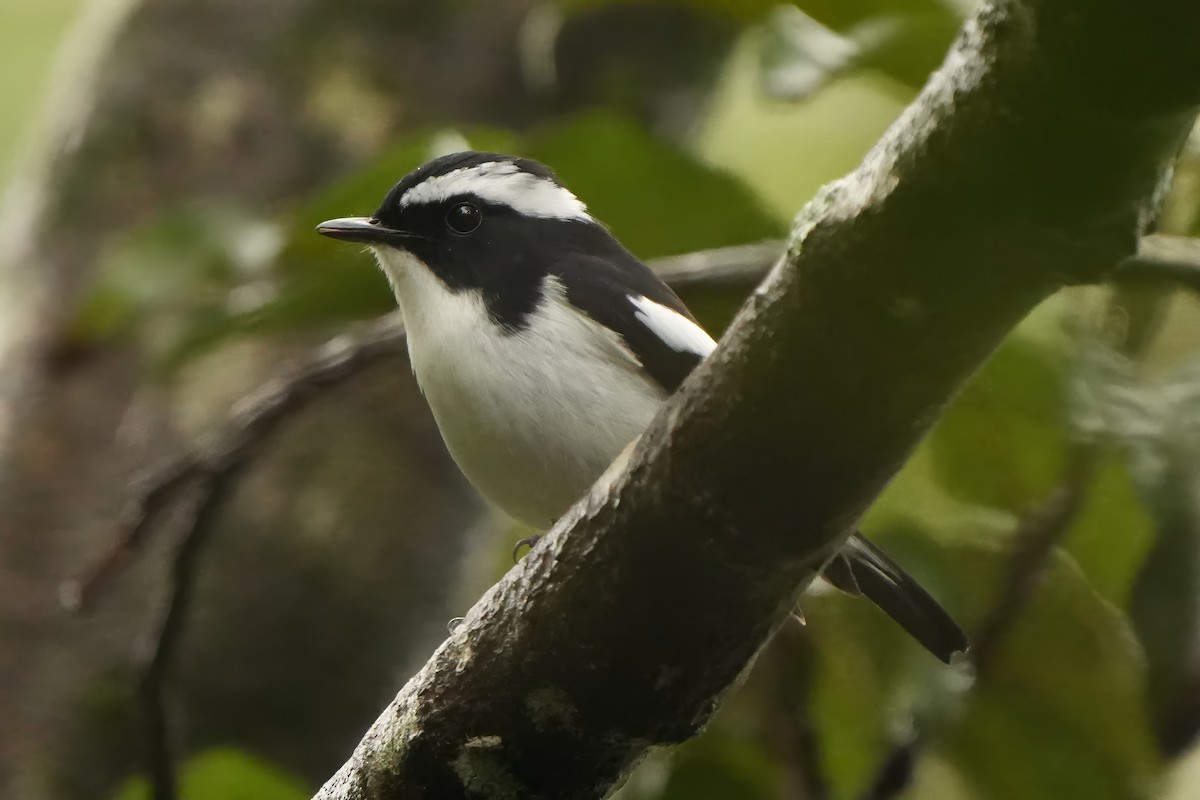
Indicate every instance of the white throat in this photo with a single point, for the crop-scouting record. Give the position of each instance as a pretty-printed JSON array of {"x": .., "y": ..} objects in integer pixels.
[{"x": 532, "y": 417}]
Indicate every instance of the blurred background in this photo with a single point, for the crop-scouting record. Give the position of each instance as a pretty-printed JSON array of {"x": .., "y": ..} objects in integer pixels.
[{"x": 165, "y": 162}]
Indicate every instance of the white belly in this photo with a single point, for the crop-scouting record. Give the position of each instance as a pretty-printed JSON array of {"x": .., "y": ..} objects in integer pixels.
[{"x": 534, "y": 417}]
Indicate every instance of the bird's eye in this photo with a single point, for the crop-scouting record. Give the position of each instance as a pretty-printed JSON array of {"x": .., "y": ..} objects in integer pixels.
[{"x": 464, "y": 218}]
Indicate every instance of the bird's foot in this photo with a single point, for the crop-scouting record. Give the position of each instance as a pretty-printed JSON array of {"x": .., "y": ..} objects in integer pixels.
[{"x": 528, "y": 541}]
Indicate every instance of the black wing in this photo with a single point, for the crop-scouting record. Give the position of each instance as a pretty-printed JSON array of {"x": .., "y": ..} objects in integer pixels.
[
  {"x": 603, "y": 288},
  {"x": 863, "y": 569}
]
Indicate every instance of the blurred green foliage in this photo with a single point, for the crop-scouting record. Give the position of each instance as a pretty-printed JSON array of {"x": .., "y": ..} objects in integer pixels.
[
  {"x": 225, "y": 775},
  {"x": 1061, "y": 712},
  {"x": 800, "y": 54},
  {"x": 29, "y": 29},
  {"x": 1019, "y": 398}
]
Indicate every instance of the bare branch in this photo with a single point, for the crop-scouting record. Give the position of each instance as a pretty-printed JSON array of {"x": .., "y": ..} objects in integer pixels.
[
  {"x": 210, "y": 473},
  {"x": 1170, "y": 259},
  {"x": 150, "y": 496},
  {"x": 1038, "y": 534},
  {"x": 1159, "y": 257},
  {"x": 738, "y": 267},
  {"x": 258, "y": 415},
  {"x": 1036, "y": 537},
  {"x": 784, "y": 706},
  {"x": 167, "y": 633}
]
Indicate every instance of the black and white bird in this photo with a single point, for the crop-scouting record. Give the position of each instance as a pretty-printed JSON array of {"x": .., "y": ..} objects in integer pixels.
[{"x": 544, "y": 347}]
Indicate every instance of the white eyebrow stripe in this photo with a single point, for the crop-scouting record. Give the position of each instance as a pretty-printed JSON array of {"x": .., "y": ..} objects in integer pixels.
[
  {"x": 505, "y": 184},
  {"x": 676, "y": 331}
]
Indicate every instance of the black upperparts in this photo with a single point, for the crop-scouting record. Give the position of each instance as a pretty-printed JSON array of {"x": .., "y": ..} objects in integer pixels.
[
  {"x": 604, "y": 289},
  {"x": 446, "y": 164},
  {"x": 509, "y": 254}
]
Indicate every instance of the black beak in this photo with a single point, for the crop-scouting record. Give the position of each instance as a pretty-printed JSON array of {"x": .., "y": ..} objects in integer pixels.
[{"x": 367, "y": 230}]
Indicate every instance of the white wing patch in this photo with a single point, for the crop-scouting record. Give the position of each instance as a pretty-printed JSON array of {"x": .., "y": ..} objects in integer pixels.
[
  {"x": 503, "y": 183},
  {"x": 677, "y": 331}
]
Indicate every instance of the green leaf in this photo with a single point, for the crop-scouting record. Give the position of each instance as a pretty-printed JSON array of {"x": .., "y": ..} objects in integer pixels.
[
  {"x": 873, "y": 680},
  {"x": 177, "y": 266},
  {"x": 1059, "y": 713},
  {"x": 1165, "y": 449},
  {"x": 720, "y": 765},
  {"x": 656, "y": 198},
  {"x": 740, "y": 10},
  {"x": 1112, "y": 532},
  {"x": 852, "y": 708},
  {"x": 321, "y": 282},
  {"x": 1031, "y": 727},
  {"x": 1163, "y": 606},
  {"x": 1003, "y": 441},
  {"x": 800, "y": 54},
  {"x": 225, "y": 774},
  {"x": 327, "y": 281}
]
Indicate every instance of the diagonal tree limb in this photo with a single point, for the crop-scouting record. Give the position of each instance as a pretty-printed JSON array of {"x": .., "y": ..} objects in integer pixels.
[{"x": 1028, "y": 162}]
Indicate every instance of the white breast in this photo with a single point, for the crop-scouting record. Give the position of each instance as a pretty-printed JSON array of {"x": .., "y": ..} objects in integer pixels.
[{"x": 532, "y": 417}]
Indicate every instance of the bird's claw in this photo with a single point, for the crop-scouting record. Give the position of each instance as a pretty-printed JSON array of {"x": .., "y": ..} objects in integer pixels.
[{"x": 528, "y": 541}]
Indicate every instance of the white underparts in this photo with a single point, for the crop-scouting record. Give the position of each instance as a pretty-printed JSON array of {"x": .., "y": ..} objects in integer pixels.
[{"x": 531, "y": 417}]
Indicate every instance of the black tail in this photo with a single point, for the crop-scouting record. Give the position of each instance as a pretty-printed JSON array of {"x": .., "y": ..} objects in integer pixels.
[{"x": 863, "y": 569}]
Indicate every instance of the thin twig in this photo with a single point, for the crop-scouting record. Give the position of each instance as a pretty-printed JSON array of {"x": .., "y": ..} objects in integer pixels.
[
  {"x": 786, "y": 670},
  {"x": 1037, "y": 534},
  {"x": 738, "y": 266},
  {"x": 150, "y": 496},
  {"x": 256, "y": 417},
  {"x": 210, "y": 495},
  {"x": 159, "y": 649},
  {"x": 1160, "y": 257},
  {"x": 1170, "y": 259}
]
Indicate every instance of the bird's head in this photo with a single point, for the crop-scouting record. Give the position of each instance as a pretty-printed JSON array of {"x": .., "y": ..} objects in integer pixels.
[{"x": 483, "y": 221}]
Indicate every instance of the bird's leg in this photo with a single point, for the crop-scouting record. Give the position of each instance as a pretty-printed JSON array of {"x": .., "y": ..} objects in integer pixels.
[
  {"x": 603, "y": 484},
  {"x": 528, "y": 541}
]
